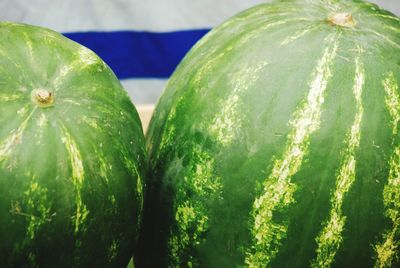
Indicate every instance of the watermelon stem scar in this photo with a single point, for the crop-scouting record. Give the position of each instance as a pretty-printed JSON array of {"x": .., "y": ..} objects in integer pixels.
[
  {"x": 342, "y": 19},
  {"x": 42, "y": 98}
]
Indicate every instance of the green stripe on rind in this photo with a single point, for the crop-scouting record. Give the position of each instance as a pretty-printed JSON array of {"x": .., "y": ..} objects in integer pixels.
[
  {"x": 388, "y": 249},
  {"x": 330, "y": 238},
  {"x": 278, "y": 189},
  {"x": 191, "y": 216},
  {"x": 77, "y": 178}
]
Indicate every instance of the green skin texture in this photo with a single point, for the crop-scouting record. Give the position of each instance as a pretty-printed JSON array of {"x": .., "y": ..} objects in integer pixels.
[
  {"x": 71, "y": 173},
  {"x": 228, "y": 116}
]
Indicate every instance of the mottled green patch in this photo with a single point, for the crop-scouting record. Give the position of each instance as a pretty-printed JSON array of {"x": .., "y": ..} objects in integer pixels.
[
  {"x": 387, "y": 251},
  {"x": 38, "y": 206},
  {"x": 278, "y": 189},
  {"x": 187, "y": 219},
  {"x": 104, "y": 166},
  {"x": 32, "y": 260},
  {"x": 35, "y": 207},
  {"x": 112, "y": 199},
  {"x": 113, "y": 251},
  {"x": 92, "y": 122},
  {"x": 191, "y": 220}
]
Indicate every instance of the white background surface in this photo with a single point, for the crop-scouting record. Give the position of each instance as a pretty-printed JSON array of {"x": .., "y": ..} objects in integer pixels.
[{"x": 151, "y": 15}]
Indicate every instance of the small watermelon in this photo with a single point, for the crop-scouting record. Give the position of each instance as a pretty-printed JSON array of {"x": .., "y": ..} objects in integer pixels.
[{"x": 71, "y": 155}]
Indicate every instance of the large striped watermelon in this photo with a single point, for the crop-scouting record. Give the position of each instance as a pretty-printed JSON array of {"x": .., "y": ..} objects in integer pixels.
[
  {"x": 276, "y": 143},
  {"x": 71, "y": 155}
]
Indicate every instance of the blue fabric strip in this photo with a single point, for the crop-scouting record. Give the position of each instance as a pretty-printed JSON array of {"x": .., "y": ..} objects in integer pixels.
[{"x": 134, "y": 54}]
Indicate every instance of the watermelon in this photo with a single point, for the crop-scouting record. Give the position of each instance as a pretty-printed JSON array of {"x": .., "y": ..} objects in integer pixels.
[
  {"x": 276, "y": 143},
  {"x": 72, "y": 159}
]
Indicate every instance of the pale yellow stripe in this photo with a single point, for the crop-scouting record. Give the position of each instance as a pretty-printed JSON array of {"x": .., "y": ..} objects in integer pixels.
[
  {"x": 262, "y": 29},
  {"x": 133, "y": 169},
  {"x": 88, "y": 57},
  {"x": 383, "y": 37},
  {"x": 140, "y": 193},
  {"x": 90, "y": 121},
  {"x": 266, "y": 11},
  {"x": 226, "y": 122},
  {"x": 113, "y": 250},
  {"x": 391, "y": 28},
  {"x": 10, "y": 97},
  {"x": 388, "y": 249},
  {"x": 14, "y": 138},
  {"x": 278, "y": 189},
  {"x": 392, "y": 100},
  {"x": 42, "y": 121},
  {"x": 169, "y": 129},
  {"x": 63, "y": 72},
  {"x": 385, "y": 16},
  {"x": 29, "y": 45},
  {"x": 77, "y": 178},
  {"x": 330, "y": 238},
  {"x": 299, "y": 34}
]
